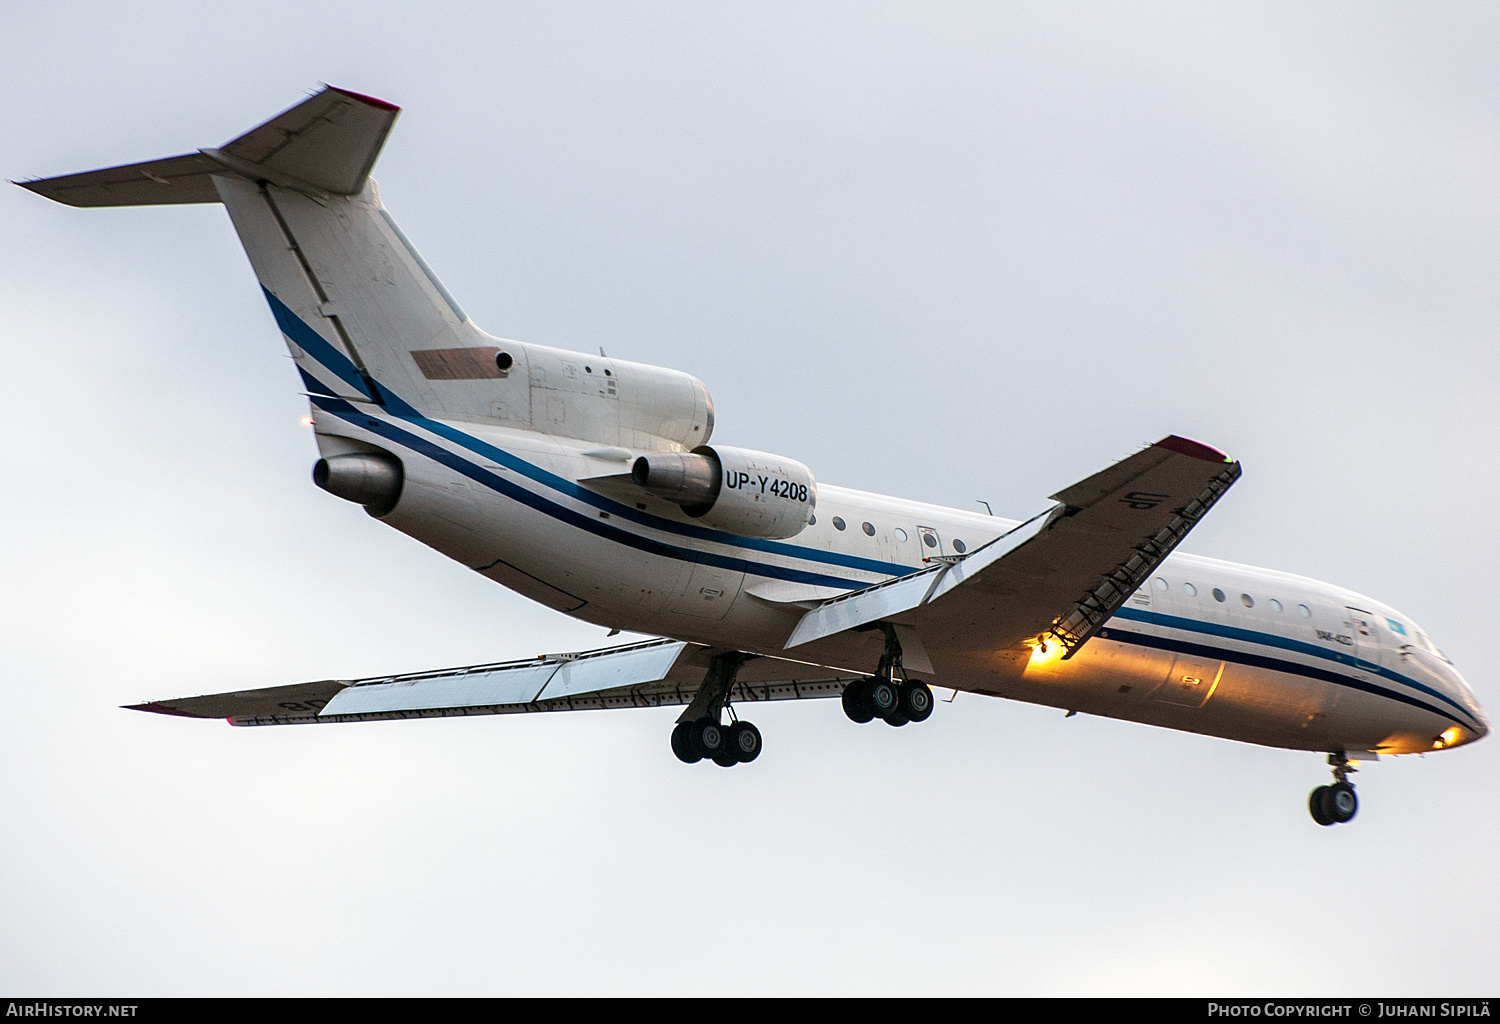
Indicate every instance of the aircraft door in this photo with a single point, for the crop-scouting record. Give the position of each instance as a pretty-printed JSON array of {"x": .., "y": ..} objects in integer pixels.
[{"x": 1366, "y": 640}]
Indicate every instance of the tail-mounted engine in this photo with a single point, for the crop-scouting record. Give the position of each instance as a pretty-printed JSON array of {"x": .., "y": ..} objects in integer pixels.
[
  {"x": 366, "y": 478},
  {"x": 752, "y": 494}
]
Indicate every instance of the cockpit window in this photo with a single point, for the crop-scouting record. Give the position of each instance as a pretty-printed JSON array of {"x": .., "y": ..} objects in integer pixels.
[{"x": 1426, "y": 642}]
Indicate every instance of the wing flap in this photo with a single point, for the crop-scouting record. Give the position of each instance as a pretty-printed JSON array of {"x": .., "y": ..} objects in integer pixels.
[
  {"x": 906, "y": 593},
  {"x": 510, "y": 684}
]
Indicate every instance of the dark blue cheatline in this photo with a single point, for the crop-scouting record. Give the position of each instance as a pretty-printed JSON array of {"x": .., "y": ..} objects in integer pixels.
[{"x": 1280, "y": 664}]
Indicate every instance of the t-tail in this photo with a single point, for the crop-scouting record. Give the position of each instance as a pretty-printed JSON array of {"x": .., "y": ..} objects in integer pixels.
[{"x": 350, "y": 294}]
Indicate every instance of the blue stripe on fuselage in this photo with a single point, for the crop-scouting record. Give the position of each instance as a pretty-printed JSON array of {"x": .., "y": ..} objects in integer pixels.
[
  {"x": 1285, "y": 644},
  {"x": 388, "y": 430},
  {"x": 295, "y": 328}
]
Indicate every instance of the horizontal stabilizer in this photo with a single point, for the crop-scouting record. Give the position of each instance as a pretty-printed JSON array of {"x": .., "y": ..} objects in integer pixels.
[
  {"x": 175, "y": 180},
  {"x": 330, "y": 140},
  {"x": 327, "y": 142}
]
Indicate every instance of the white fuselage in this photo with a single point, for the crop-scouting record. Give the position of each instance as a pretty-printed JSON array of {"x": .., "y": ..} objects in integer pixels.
[
  {"x": 1208, "y": 646},
  {"x": 515, "y": 459}
]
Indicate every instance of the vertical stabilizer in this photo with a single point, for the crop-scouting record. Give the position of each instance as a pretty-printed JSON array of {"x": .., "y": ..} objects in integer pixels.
[{"x": 348, "y": 291}]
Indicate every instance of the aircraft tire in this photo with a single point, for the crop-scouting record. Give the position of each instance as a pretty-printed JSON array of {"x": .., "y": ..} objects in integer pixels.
[
  {"x": 1341, "y": 803},
  {"x": 855, "y": 704},
  {"x": 744, "y": 742},
  {"x": 708, "y": 738},
  {"x": 882, "y": 697},
  {"x": 897, "y": 718},
  {"x": 916, "y": 701},
  {"x": 682, "y": 744},
  {"x": 1317, "y": 806}
]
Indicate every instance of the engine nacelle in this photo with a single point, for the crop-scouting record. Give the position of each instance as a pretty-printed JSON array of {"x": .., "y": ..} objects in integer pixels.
[
  {"x": 369, "y": 479},
  {"x": 752, "y": 494}
]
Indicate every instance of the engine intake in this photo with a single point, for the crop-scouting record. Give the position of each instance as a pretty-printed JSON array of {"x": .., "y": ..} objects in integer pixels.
[
  {"x": 753, "y": 494},
  {"x": 368, "y": 479}
]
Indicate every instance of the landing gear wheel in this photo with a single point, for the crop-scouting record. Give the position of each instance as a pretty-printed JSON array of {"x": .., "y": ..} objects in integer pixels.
[
  {"x": 682, "y": 744},
  {"x": 1317, "y": 806},
  {"x": 1341, "y": 803},
  {"x": 744, "y": 742},
  {"x": 708, "y": 738},
  {"x": 897, "y": 718},
  {"x": 882, "y": 697},
  {"x": 916, "y": 701},
  {"x": 855, "y": 704}
]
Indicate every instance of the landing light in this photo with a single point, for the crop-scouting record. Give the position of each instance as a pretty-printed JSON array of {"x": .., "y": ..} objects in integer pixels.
[
  {"x": 307, "y": 421},
  {"x": 1447, "y": 738},
  {"x": 1045, "y": 650}
]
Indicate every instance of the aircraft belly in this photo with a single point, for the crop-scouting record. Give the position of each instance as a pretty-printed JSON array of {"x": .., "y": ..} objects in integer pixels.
[{"x": 1194, "y": 694}]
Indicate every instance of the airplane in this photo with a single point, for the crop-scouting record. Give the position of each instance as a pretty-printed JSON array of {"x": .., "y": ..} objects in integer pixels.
[{"x": 590, "y": 485}]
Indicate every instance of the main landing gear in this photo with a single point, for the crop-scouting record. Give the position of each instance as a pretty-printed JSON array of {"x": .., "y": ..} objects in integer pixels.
[
  {"x": 700, "y": 736},
  {"x": 1335, "y": 804},
  {"x": 707, "y": 740},
  {"x": 888, "y": 694}
]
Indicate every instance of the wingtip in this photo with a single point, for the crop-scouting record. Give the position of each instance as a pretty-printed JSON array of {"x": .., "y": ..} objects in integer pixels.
[
  {"x": 373, "y": 101},
  {"x": 156, "y": 707},
  {"x": 1195, "y": 449}
]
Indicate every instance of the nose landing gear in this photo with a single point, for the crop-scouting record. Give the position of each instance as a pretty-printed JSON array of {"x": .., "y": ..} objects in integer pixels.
[
  {"x": 1335, "y": 804},
  {"x": 888, "y": 694}
]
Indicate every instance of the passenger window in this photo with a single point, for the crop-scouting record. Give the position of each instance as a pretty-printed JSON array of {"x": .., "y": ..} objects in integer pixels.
[
  {"x": 929, "y": 539},
  {"x": 869, "y": 530},
  {"x": 1247, "y": 600},
  {"x": 838, "y": 524},
  {"x": 1160, "y": 584},
  {"x": 1218, "y": 595},
  {"x": 1190, "y": 590},
  {"x": 1304, "y": 611},
  {"x": 960, "y": 546},
  {"x": 1275, "y": 605},
  {"x": 901, "y": 535}
]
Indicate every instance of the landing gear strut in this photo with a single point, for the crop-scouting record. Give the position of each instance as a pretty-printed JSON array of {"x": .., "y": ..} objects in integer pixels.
[
  {"x": 888, "y": 695},
  {"x": 1335, "y": 804},
  {"x": 699, "y": 735}
]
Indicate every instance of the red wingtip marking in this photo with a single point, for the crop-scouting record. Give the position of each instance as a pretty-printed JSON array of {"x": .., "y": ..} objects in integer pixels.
[
  {"x": 371, "y": 100},
  {"x": 160, "y": 709},
  {"x": 1197, "y": 449}
]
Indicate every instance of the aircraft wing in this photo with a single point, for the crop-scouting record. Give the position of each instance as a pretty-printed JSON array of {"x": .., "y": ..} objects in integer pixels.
[
  {"x": 1064, "y": 572},
  {"x": 654, "y": 673}
]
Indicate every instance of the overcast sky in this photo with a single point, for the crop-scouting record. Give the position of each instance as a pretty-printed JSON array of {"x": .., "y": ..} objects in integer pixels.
[{"x": 949, "y": 252}]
